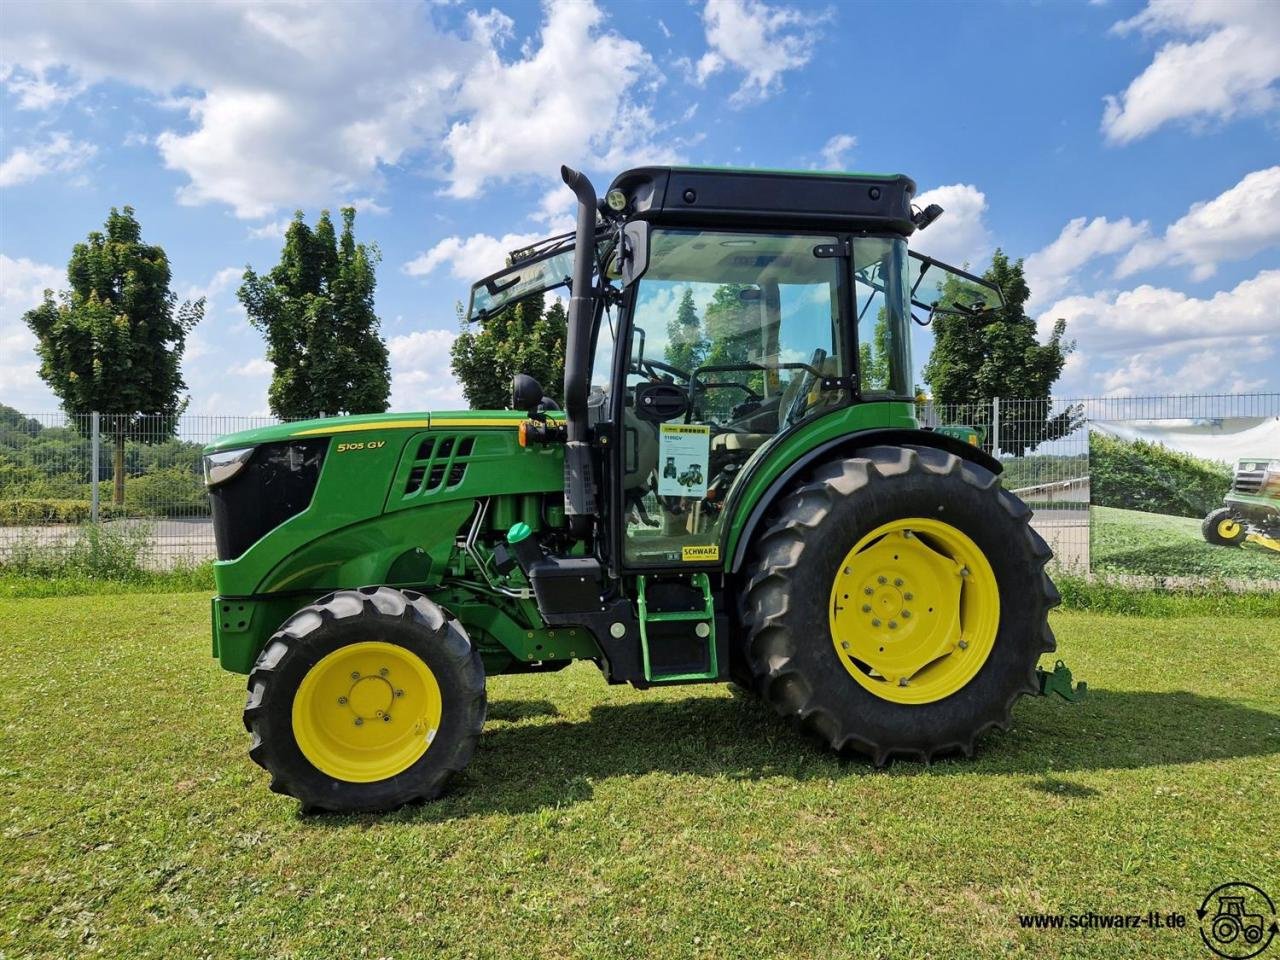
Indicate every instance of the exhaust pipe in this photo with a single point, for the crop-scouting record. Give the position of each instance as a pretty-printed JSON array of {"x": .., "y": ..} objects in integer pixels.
[{"x": 579, "y": 482}]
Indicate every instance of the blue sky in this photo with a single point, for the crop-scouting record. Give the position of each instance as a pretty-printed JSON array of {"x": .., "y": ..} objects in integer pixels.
[{"x": 1128, "y": 150}]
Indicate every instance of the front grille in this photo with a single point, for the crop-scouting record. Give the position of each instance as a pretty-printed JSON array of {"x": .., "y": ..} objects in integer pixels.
[
  {"x": 1248, "y": 481},
  {"x": 277, "y": 483}
]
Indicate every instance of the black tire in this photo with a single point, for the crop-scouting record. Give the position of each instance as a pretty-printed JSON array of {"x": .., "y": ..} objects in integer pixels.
[
  {"x": 1209, "y": 528},
  {"x": 404, "y": 618},
  {"x": 785, "y": 602}
]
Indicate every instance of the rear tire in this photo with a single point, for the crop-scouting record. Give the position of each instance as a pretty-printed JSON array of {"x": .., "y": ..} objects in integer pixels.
[
  {"x": 787, "y": 603},
  {"x": 425, "y": 708},
  {"x": 1222, "y": 529}
]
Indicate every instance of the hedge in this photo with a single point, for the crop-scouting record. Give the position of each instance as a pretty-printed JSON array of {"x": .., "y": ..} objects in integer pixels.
[
  {"x": 33, "y": 511},
  {"x": 1138, "y": 475}
]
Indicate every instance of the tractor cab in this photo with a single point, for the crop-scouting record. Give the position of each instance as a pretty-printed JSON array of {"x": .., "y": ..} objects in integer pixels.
[{"x": 717, "y": 315}]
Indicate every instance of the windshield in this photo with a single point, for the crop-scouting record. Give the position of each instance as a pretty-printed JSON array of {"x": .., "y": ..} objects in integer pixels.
[{"x": 939, "y": 288}]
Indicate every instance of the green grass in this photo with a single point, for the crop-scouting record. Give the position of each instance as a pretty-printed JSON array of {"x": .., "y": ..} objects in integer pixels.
[
  {"x": 1153, "y": 544},
  {"x": 605, "y": 822}
]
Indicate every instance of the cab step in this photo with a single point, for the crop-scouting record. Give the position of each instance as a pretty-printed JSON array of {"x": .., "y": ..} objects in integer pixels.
[{"x": 678, "y": 635}]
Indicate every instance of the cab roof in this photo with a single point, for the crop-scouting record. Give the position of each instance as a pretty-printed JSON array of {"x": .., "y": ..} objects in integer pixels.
[{"x": 802, "y": 199}]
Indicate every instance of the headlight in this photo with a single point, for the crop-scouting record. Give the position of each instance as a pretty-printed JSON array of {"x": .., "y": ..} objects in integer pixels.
[{"x": 222, "y": 466}]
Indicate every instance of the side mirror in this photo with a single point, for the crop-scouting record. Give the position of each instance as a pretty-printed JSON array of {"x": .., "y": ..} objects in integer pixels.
[
  {"x": 526, "y": 393},
  {"x": 660, "y": 402}
]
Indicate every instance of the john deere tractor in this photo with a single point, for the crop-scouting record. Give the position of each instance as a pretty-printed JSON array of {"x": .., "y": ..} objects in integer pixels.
[
  {"x": 1250, "y": 512},
  {"x": 868, "y": 579}
]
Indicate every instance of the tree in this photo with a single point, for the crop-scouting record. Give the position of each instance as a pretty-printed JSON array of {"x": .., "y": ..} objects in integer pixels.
[
  {"x": 113, "y": 343},
  {"x": 526, "y": 337},
  {"x": 315, "y": 309},
  {"x": 686, "y": 346},
  {"x": 999, "y": 355}
]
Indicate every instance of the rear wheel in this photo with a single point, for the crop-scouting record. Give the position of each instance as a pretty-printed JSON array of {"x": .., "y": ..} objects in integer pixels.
[
  {"x": 899, "y": 604},
  {"x": 365, "y": 700},
  {"x": 1221, "y": 528}
]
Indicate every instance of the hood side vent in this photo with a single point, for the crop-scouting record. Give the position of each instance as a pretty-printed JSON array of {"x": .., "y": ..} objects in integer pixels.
[{"x": 440, "y": 464}]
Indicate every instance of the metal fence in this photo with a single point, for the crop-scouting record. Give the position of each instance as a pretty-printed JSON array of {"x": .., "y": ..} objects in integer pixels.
[
  {"x": 138, "y": 477},
  {"x": 58, "y": 473}
]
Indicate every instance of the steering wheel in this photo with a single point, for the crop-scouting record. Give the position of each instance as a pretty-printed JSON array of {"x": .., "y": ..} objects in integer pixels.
[
  {"x": 811, "y": 375},
  {"x": 654, "y": 369}
]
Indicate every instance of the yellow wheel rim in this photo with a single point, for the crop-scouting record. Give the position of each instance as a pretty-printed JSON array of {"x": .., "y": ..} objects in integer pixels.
[
  {"x": 367, "y": 712},
  {"x": 1228, "y": 529},
  {"x": 914, "y": 610}
]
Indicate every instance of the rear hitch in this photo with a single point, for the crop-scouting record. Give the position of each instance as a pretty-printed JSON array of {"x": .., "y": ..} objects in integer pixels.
[{"x": 1059, "y": 682}]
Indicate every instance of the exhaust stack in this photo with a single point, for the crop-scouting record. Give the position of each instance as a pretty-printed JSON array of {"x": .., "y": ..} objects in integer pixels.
[{"x": 579, "y": 481}]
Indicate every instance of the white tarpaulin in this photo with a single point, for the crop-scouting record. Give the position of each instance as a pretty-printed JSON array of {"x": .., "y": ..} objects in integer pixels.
[{"x": 1225, "y": 439}]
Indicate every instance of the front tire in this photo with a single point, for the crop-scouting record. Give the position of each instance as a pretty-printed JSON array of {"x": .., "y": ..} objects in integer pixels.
[
  {"x": 899, "y": 604},
  {"x": 365, "y": 700},
  {"x": 1222, "y": 529}
]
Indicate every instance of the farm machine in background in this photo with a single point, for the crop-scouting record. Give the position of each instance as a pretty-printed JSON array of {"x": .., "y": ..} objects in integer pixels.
[
  {"x": 868, "y": 579},
  {"x": 1251, "y": 509}
]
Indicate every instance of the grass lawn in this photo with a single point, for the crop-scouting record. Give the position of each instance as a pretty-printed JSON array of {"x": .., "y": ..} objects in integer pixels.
[
  {"x": 1130, "y": 541},
  {"x": 605, "y": 822}
]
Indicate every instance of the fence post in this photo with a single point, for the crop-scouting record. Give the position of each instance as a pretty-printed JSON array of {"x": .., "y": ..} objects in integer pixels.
[
  {"x": 95, "y": 438},
  {"x": 995, "y": 427}
]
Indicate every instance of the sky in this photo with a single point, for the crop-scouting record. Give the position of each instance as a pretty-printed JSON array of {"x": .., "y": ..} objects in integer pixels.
[{"x": 1129, "y": 151}]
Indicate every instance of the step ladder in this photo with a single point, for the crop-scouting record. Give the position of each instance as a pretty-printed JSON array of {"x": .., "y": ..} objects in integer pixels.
[{"x": 691, "y": 630}]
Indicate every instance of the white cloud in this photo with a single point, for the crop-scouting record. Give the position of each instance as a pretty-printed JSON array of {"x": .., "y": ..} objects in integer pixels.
[
  {"x": 960, "y": 236},
  {"x": 421, "y": 377},
  {"x": 761, "y": 41},
  {"x": 569, "y": 98},
  {"x": 835, "y": 152},
  {"x": 271, "y": 230},
  {"x": 283, "y": 104},
  {"x": 469, "y": 258},
  {"x": 58, "y": 154},
  {"x": 1051, "y": 270},
  {"x": 1235, "y": 225},
  {"x": 22, "y": 286},
  {"x": 1148, "y": 320},
  {"x": 1225, "y": 64},
  {"x": 257, "y": 367}
]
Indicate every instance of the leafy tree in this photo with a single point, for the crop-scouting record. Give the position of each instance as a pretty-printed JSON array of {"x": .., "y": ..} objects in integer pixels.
[
  {"x": 686, "y": 346},
  {"x": 873, "y": 357},
  {"x": 315, "y": 309},
  {"x": 999, "y": 355},
  {"x": 113, "y": 343},
  {"x": 526, "y": 337}
]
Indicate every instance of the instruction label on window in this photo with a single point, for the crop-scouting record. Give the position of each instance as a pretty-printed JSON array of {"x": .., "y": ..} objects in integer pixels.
[{"x": 683, "y": 452}]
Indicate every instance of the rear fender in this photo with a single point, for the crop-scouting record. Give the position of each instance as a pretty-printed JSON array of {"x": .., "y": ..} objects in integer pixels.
[{"x": 847, "y": 446}]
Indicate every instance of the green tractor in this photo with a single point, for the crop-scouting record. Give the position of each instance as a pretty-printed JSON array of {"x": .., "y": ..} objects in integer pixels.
[
  {"x": 1251, "y": 509},
  {"x": 868, "y": 579}
]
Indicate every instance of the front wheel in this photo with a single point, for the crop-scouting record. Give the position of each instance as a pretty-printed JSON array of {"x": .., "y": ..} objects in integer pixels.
[
  {"x": 1222, "y": 529},
  {"x": 365, "y": 700},
  {"x": 898, "y": 604}
]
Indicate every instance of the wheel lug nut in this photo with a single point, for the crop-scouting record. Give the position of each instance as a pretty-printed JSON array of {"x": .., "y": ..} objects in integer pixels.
[
  {"x": 897, "y": 582},
  {"x": 342, "y": 701},
  {"x": 359, "y": 721},
  {"x": 844, "y": 644},
  {"x": 882, "y": 579},
  {"x": 893, "y": 624},
  {"x": 964, "y": 644},
  {"x": 355, "y": 674},
  {"x": 875, "y": 622},
  {"x": 383, "y": 672},
  {"x": 866, "y": 608},
  {"x": 907, "y": 596},
  {"x": 868, "y": 591},
  {"x": 906, "y": 614}
]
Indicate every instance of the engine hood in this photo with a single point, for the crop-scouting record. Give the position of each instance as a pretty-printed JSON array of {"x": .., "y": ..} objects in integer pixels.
[{"x": 371, "y": 423}]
